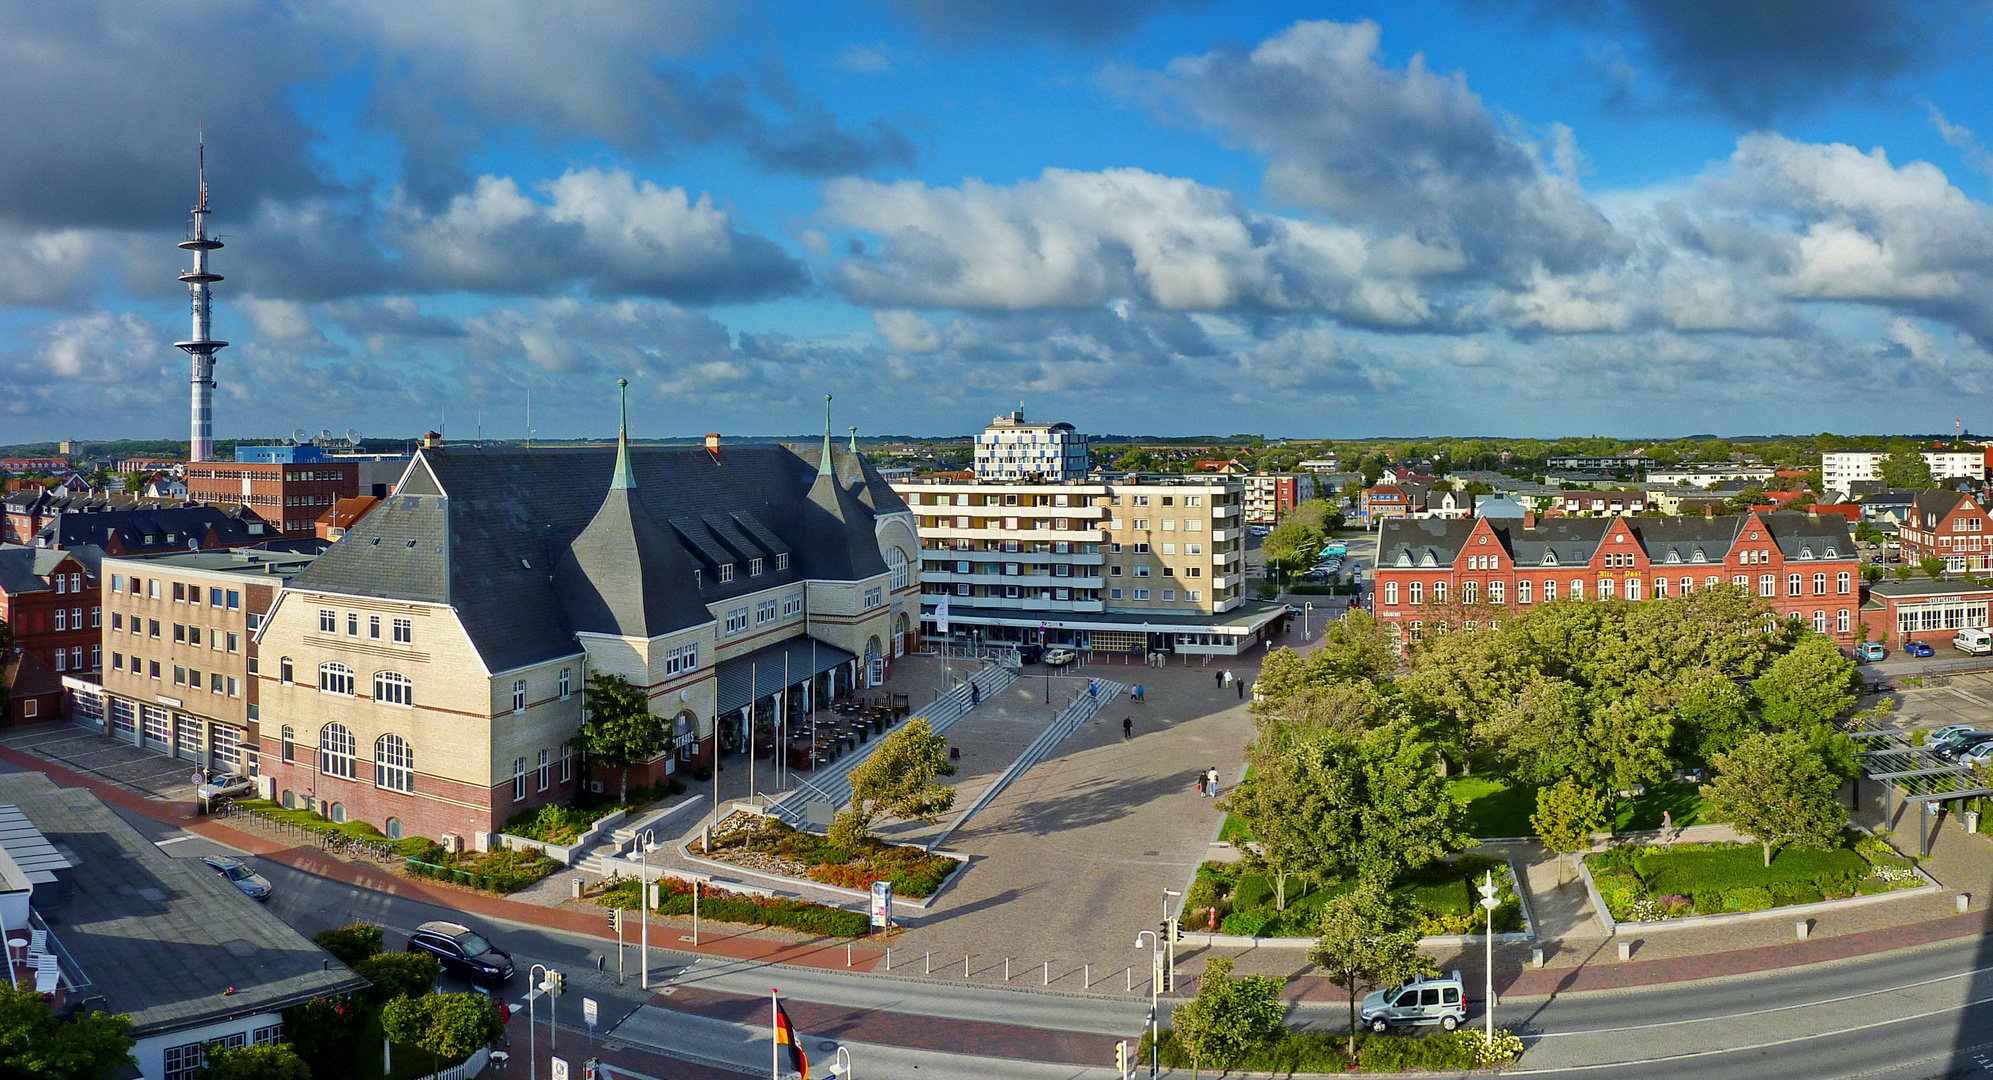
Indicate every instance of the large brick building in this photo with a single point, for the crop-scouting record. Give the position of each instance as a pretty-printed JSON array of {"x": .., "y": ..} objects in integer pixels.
[
  {"x": 50, "y": 598},
  {"x": 1434, "y": 572},
  {"x": 1949, "y": 525},
  {"x": 291, "y": 487}
]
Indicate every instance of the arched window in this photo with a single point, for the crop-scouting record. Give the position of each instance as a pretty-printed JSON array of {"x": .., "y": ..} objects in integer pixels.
[
  {"x": 290, "y": 799},
  {"x": 896, "y": 561},
  {"x": 336, "y": 813},
  {"x": 335, "y": 678},
  {"x": 393, "y": 688},
  {"x": 394, "y": 764},
  {"x": 392, "y": 828},
  {"x": 335, "y": 751}
]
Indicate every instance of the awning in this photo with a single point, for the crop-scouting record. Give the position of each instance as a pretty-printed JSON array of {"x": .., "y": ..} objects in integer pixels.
[{"x": 760, "y": 672}]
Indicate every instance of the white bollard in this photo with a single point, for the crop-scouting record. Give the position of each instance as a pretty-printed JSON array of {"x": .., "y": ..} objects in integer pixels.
[
  {"x": 1964, "y": 902},
  {"x": 1802, "y": 928},
  {"x": 1626, "y": 950},
  {"x": 1536, "y": 957}
]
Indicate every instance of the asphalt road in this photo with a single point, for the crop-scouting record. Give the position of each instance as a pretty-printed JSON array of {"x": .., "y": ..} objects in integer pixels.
[{"x": 1907, "y": 1015}]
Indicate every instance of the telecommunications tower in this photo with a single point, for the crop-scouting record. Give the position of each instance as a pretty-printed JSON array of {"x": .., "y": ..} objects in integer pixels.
[{"x": 202, "y": 348}]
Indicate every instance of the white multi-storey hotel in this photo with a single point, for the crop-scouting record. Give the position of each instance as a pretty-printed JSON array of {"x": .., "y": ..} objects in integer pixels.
[
  {"x": 1011, "y": 449},
  {"x": 1152, "y": 564},
  {"x": 1840, "y": 470}
]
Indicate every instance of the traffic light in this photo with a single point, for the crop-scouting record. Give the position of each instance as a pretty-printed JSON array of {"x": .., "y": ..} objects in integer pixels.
[
  {"x": 616, "y": 920},
  {"x": 559, "y": 979},
  {"x": 1121, "y": 1062},
  {"x": 1172, "y": 930}
]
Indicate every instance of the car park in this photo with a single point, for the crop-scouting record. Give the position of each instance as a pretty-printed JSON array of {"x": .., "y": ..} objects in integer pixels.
[
  {"x": 1059, "y": 656},
  {"x": 1918, "y": 648},
  {"x": 225, "y": 784},
  {"x": 253, "y": 885},
  {"x": 1871, "y": 650},
  {"x": 1981, "y": 754},
  {"x": 1437, "y": 1000},
  {"x": 1948, "y": 731},
  {"x": 463, "y": 952},
  {"x": 1957, "y": 735},
  {"x": 1958, "y": 746}
]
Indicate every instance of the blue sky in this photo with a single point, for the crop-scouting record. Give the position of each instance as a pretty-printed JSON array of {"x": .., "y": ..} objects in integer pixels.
[{"x": 1507, "y": 217}]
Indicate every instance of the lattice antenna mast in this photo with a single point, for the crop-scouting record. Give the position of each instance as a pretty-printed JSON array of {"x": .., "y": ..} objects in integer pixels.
[{"x": 201, "y": 347}]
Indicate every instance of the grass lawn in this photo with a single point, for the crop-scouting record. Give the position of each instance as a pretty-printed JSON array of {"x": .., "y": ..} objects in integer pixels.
[
  {"x": 1648, "y": 883},
  {"x": 1444, "y": 893},
  {"x": 1643, "y": 813},
  {"x": 1234, "y": 831},
  {"x": 1694, "y": 870},
  {"x": 1496, "y": 805}
]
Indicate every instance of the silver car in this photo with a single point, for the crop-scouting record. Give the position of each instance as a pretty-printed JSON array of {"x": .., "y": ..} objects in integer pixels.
[
  {"x": 253, "y": 885},
  {"x": 1427, "y": 1001}
]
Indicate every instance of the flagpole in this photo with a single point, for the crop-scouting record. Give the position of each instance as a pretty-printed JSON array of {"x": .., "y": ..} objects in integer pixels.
[
  {"x": 753, "y": 707},
  {"x": 782, "y": 728},
  {"x": 775, "y": 1037}
]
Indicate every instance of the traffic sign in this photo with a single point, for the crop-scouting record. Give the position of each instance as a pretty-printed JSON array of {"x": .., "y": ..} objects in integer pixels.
[
  {"x": 588, "y": 1013},
  {"x": 882, "y": 903},
  {"x": 560, "y": 1068}
]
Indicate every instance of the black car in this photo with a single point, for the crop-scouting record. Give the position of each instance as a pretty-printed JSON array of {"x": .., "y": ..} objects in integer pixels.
[
  {"x": 1030, "y": 654},
  {"x": 463, "y": 953}
]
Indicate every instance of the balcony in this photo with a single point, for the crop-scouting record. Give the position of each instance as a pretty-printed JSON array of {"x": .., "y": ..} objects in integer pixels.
[
  {"x": 1224, "y": 511},
  {"x": 1030, "y": 580},
  {"x": 1027, "y": 604}
]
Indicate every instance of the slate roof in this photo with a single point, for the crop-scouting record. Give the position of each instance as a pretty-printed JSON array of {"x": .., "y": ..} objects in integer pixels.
[
  {"x": 26, "y": 569},
  {"x": 1930, "y": 507},
  {"x": 492, "y": 531},
  {"x": 146, "y": 529},
  {"x": 162, "y": 938},
  {"x": 1566, "y": 541}
]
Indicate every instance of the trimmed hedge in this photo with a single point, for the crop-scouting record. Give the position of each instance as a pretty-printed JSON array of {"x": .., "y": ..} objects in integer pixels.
[
  {"x": 723, "y": 906},
  {"x": 1320, "y": 1052},
  {"x": 1647, "y": 883},
  {"x": 498, "y": 870},
  {"x": 1444, "y": 893}
]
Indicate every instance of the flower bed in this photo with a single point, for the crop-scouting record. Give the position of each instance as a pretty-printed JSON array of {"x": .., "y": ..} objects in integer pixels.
[
  {"x": 1444, "y": 892},
  {"x": 772, "y": 847},
  {"x": 1651, "y": 884},
  {"x": 555, "y": 824},
  {"x": 722, "y": 906},
  {"x": 499, "y": 870},
  {"x": 1320, "y": 1052}
]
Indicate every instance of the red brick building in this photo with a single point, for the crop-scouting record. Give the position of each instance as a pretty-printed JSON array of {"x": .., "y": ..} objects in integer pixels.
[
  {"x": 1950, "y": 525},
  {"x": 34, "y": 690},
  {"x": 291, "y": 496},
  {"x": 1432, "y": 571},
  {"x": 1899, "y": 612},
  {"x": 50, "y": 598}
]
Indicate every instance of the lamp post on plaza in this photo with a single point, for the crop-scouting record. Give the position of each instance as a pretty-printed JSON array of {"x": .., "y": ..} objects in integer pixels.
[
  {"x": 1489, "y": 904},
  {"x": 646, "y": 844},
  {"x": 1155, "y": 983}
]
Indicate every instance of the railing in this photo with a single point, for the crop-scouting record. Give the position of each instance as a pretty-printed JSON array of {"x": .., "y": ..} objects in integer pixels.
[{"x": 327, "y": 837}]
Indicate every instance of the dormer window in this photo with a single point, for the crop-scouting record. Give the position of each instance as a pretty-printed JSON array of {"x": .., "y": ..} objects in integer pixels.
[
  {"x": 1830, "y": 554},
  {"x": 1805, "y": 552},
  {"x": 782, "y": 560},
  {"x": 726, "y": 572},
  {"x": 1698, "y": 556},
  {"x": 1404, "y": 558},
  {"x": 754, "y": 568},
  {"x": 1429, "y": 560},
  {"x": 1674, "y": 556},
  {"x": 1549, "y": 557}
]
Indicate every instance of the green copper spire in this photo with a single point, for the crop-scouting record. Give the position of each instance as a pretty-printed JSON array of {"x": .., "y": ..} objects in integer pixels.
[
  {"x": 623, "y": 479},
  {"x": 823, "y": 467}
]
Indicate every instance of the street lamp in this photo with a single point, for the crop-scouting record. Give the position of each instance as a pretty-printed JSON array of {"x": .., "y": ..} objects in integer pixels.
[
  {"x": 1169, "y": 944},
  {"x": 1155, "y": 982},
  {"x": 1489, "y": 904},
  {"x": 646, "y": 844},
  {"x": 1307, "y": 608},
  {"x": 840, "y": 1066}
]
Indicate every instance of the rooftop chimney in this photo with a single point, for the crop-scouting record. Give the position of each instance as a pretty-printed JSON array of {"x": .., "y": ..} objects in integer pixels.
[
  {"x": 713, "y": 444},
  {"x": 431, "y": 440}
]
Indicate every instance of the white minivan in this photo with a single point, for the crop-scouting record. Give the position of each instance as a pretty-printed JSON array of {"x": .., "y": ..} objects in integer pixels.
[{"x": 1973, "y": 641}]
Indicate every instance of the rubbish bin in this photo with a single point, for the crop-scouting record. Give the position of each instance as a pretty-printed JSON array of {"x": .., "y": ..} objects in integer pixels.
[{"x": 1972, "y": 821}]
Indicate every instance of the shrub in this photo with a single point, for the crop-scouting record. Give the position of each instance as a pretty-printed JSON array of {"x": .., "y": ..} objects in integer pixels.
[
  {"x": 1748, "y": 898},
  {"x": 352, "y": 944},
  {"x": 1442, "y": 1050},
  {"x": 723, "y": 906},
  {"x": 397, "y": 975},
  {"x": 1708, "y": 902},
  {"x": 1247, "y": 923}
]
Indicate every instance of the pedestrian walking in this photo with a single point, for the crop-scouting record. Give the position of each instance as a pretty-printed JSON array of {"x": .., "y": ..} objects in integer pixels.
[
  {"x": 1201, "y": 777},
  {"x": 1127, "y": 727},
  {"x": 1218, "y": 677},
  {"x": 1667, "y": 826},
  {"x": 975, "y": 695},
  {"x": 1211, "y": 782},
  {"x": 1089, "y": 689},
  {"x": 1241, "y": 684}
]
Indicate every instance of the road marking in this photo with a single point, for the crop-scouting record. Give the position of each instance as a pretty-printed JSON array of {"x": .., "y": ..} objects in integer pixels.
[
  {"x": 172, "y": 840},
  {"x": 1761, "y": 1012},
  {"x": 1961, "y": 1007}
]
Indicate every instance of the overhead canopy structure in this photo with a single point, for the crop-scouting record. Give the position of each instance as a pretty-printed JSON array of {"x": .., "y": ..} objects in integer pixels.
[{"x": 761, "y": 672}]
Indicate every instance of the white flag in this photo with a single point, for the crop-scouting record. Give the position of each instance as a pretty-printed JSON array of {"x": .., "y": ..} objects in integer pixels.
[{"x": 941, "y": 614}]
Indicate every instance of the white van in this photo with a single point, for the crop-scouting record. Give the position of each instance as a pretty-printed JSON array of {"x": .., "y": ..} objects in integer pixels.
[
  {"x": 1973, "y": 641},
  {"x": 1438, "y": 1000}
]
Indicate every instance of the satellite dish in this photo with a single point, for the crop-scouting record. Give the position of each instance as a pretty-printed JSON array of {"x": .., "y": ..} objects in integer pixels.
[
  {"x": 353, "y": 436},
  {"x": 193, "y": 543},
  {"x": 300, "y": 436},
  {"x": 324, "y": 436}
]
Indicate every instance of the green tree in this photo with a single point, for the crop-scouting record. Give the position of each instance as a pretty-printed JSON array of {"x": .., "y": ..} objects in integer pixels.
[
  {"x": 1368, "y": 938},
  {"x": 1872, "y": 573},
  {"x": 1567, "y": 814},
  {"x": 1932, "y": 566},
  {"x": 1292, "y": 545},
  {"x": 1905, "y": 469},
  {"x": 351, "y": 944},
  {"x": 135, "y": 482},
  {"x": 1711, "y": 715},
  {"x": 898, "y": 780},
  {"x": 620, "y": 730},
  {"x": 449, "y": 1026},
  {"x": 271, "y": 1061},
  {"x": 33, "y": 1043},
  {"x": 326, "y": 1032},
  {"x": 1541, "y": 732},
  {"x": 397, "y": 975},
  {"x": 1230, "y": 1017},
  {"x": 1810, "y": 685},
  {"x": 1628, "y": 741},
  {"x": 1776, "y": 789}
]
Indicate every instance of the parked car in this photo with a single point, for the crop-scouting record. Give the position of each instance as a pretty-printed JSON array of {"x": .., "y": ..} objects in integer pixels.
[
  {"x": 463, "y": 953},
  {"x": 1427, "y": 1001},
  {"x": 1957, "y": 739},
  {"x": 1918, "y": 648},
  {"x": 1949, "y": 731},
  {"x": 1030, "y": 654},
  {"x": 253, "y": 885},
  {"x": 1258, "y": 530},
  {"x": 1973, "y": 641},
  {"x": 1870, "y": 650},
  {"x": 1978, "y": 755},
  {"x": 1059, "y": 656},
  {"x": 225, "y": 784}
]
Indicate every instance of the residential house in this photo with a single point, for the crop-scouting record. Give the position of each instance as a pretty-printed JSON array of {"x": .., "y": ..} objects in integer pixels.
[
  {"x": 1948, "y": 525},
  {"x": 50, "y": 598}
]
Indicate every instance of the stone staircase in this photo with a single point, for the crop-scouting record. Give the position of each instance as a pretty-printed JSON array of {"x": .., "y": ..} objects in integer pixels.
[
  {"x": 833, "y": 782},
  {"x": 1082, "y": 708}
]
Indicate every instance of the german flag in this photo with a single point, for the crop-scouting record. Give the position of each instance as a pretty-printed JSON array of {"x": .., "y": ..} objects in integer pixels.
[{"x": 785, "y": 1035}]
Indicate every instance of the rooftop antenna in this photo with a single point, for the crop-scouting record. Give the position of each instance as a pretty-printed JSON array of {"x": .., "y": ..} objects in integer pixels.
[
  {"x": 201, "y": 346},
  {"x": 529, "y": 418},
  {"x": 480, "y": 427},
  {"x": 353, "y": 437}
]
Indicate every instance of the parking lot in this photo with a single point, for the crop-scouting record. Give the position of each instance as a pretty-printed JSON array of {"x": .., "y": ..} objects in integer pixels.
[{"x": 143, "y": 771}]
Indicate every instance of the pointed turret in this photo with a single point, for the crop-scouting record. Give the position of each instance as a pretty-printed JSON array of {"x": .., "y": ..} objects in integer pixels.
[
  {"x": 625, "y": 574},
  {"x": 852, "y": 552}
]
